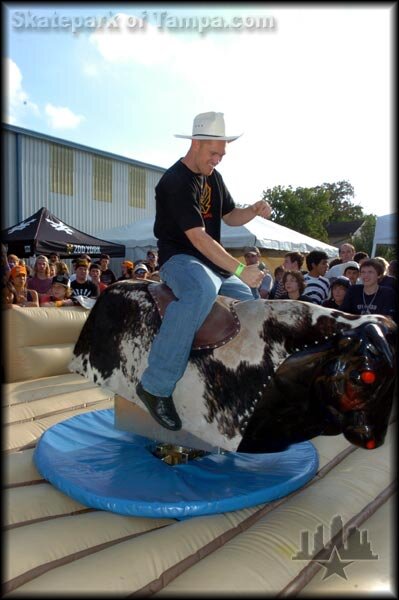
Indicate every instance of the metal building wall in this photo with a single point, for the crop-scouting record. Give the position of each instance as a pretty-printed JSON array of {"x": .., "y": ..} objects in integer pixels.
[
  {"x": 80, "y": 210},
  {"x": 9, "y": 208}
]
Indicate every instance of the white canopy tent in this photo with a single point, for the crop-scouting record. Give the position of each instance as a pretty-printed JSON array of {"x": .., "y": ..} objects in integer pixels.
[
  {"x": 139, "y": 237},
  {"x": 385, "y": 231}
]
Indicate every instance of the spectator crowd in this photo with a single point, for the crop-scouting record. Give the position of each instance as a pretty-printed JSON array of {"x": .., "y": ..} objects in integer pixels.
[
  {"x": 49, "y": 283},
  {"x": 353, "y": 283}
]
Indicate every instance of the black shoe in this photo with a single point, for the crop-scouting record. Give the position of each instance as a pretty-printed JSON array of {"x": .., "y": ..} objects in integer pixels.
[{"x": 161, "y": 409}]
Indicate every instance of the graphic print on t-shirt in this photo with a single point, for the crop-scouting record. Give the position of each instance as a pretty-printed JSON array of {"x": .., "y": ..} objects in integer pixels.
[{"x": 205, "y": 202}]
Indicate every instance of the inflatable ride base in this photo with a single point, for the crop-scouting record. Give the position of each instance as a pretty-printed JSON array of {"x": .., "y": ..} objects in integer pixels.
[{"x": 86, "y": 458}]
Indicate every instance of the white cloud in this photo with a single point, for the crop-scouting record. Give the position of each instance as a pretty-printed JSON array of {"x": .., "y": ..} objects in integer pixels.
[
  {"x": 17, "y": 102},
  {"x": 90, "y": 70},
  {"x": 61, "y": 117},
  {"x": 312, "y": 109}
]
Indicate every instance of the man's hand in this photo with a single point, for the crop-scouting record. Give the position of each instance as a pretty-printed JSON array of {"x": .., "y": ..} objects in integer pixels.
[
  {"x": 252, "y": 276},
  {"x": 262, "y": 208}
]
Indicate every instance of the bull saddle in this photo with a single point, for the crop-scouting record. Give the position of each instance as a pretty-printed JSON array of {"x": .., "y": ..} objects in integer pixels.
[{"x": 221, "y": 325}]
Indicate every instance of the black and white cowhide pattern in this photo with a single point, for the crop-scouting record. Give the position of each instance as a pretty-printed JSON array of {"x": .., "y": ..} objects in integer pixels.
[{"x": 294, "y": 371}]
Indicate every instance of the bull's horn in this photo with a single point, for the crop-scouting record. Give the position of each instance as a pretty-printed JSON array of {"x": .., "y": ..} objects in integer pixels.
[{"x": 375, "y": 335}]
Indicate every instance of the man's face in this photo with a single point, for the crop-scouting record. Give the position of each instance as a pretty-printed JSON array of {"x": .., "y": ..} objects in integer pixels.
[
  {"x": 352, "y": 275},
  {"x": 41, "y": 265},
  {"x": 346, "y": 253},
  {"x": 81, "y": 274},
  {"x": 251, "y": 258},
  {"x": 104, "y": 264},
  {"x": 208, "y": 155},
  {"x": 289, "y": 265},
  {"x": 369, "y": 276},
  {"x": 322, "y": 267},
  {"x": 95, "y": 274}
]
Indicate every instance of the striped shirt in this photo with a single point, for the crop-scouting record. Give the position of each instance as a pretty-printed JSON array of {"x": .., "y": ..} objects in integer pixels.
[{"x": 318, "y": 288}]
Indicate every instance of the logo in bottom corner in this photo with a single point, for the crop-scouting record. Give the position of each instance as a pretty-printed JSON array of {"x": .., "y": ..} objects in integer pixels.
[{"x": 340, "y": 552}]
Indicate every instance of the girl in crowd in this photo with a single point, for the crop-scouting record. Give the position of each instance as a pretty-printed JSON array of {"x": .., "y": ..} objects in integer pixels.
[
  {"x": 60, "y": 293},
  {"x": 41, "y": 280},
  {"x": 294, "y": 286},
  {"x": 25, "y": 295},
  {"x": 339, "y": 288}
]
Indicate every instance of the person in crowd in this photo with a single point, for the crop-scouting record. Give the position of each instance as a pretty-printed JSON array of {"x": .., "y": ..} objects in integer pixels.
[
  {"x": 152, "y": 261},
  {"x": 386, "y": 279},
  {"x": 317, "y": 286},
  {"x": 53, "y": 258},
  {"x": 141, "y": 271},
  {"x": 360, "y": 256},
  {"x": 82, "y": 286},
  {"x": 127, "y": 264},
  {"x": 74, "y": 261},
  {"x": 295, "y": 286},
  {"x": 12, "y": 260},
  {"x": 61, "y": 268},
  {"x": 60, "y": 293},
  {"x": 266, "y": 285},
  {"x": 252, "y": 256},
  {"x": 8, "y": 294},
  {"x": 351, "y": 272},
  {"x": 41, "y": 280},
  {"x": 339, "y": 287},
  {"x": 293, "y": 261},
  {"x": 334, "y": 262},
  {"x": 107, "y": 275},
  {"x": 370, "y": 297},
  {"x": 191, "y": 201},
  {"x": 52, "y": 270},
  {"x": 26, "y": 296},
  {"x": 346, "y": 253},
  {"x": 95, "y": 277}
]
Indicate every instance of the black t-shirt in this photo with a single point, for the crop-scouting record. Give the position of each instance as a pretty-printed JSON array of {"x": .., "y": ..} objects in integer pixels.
[
  {"x": 382, "y": 303},
  {"x": 88, "y": 289},
  {"x": 185, "y": 200},
  {"x": 107, "y": 277}
]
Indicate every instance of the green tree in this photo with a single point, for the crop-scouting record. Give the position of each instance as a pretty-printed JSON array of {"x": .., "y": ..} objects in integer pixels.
[
  {"x": 310, "y": 210},
  {"x": 341, "y": 195},
  {"x": 304, "y": 209}
]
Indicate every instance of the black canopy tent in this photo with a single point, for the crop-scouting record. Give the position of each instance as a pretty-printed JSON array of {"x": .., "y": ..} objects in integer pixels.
[{"x": 43, "y": 233}]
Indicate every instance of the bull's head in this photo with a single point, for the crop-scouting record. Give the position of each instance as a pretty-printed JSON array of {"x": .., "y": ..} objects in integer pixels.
[
  {"x": 359, "y": 384},
  {"x": 342, "y": 385}
]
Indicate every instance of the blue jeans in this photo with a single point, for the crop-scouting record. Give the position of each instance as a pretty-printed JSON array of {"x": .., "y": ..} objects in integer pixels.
[{"x": 196, "y": 287}]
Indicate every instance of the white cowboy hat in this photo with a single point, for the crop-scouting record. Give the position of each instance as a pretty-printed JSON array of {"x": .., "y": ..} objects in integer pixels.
[{"x": 209, "y": 126}]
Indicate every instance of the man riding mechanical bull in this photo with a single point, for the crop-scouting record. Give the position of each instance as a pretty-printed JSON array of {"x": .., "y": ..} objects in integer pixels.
[
  {"x": 275, "y": 373},
  {"x": 191, "y": 200}
]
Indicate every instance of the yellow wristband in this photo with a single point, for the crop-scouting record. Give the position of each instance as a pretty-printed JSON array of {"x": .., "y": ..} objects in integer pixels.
[
  {"x": 239, "y": 269},
  {"x": 59, "y": 303}
]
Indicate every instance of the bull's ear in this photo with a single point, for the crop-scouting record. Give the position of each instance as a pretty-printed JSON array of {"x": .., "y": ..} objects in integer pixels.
[{"x": 375, "y": 336}]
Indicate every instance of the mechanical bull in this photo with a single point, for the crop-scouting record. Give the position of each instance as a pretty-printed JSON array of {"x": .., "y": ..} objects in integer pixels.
[{"x": 287, "y": 372}]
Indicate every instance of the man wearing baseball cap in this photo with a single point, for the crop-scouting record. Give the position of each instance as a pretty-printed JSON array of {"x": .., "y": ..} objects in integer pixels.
[{"x": 191, "y": 201}]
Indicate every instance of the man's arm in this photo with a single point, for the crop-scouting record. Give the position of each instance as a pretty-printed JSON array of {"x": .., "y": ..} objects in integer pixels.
[
  {"x": 205, "y": 244},
  {"x": 240, "y": 216}
]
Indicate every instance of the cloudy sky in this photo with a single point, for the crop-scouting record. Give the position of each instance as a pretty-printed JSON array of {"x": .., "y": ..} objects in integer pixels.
[{"x": 309, "y": 87}]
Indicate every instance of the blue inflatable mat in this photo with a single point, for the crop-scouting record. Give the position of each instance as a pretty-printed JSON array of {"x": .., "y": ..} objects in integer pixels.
[{"x": 105, "y": 468}]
